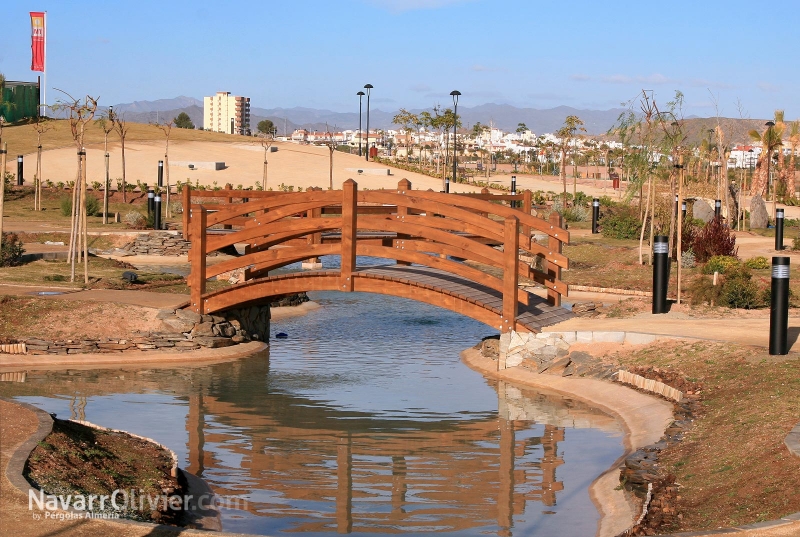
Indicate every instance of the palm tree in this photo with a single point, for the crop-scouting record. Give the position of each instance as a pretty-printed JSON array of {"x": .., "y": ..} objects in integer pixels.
[
  {"x": 794, "y": 141},
  {"x": 769, "y": 139}
]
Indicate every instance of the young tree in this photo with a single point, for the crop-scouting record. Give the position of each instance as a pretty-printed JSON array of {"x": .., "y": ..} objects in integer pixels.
[
  {"x": 265, "y": 126},
  {"x": 183, "y": 121},
  {"x": 266, "y": 139},
  {"x": 80, "y": 113},
  {"x": 521, "y": 128},
  {"x": 41, "y": 126},
  {"x": 166, "y": 128},
  {"x": 121, "y": 126},
  {"x": 106, "y": 123},
  {"x": 567, "y": 133},
  {"x": 331, "y": 144},
  {"x": 407, "y": 121},
  {"x": 794, "y": 141}
]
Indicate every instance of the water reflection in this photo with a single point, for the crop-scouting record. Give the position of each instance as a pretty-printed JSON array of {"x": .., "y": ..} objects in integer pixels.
[{"x": 341, "y": 433}]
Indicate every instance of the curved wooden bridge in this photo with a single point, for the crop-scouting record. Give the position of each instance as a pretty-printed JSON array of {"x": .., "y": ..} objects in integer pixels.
[{"x": 429, "y": 235}]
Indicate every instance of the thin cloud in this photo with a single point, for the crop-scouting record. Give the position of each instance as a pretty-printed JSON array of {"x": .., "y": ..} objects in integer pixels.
[
  {"x": 767, "y": 87},
  {"x": 580, "y": 77},
  {"x": 400, "y": 6},
  {"x": 548, "y": 96},
  {"x": 479, "y": 68},
  {"x": 703, "y": 83},
  {"x": 655, "y": 78},
  {"x": 420, "y": 88}
]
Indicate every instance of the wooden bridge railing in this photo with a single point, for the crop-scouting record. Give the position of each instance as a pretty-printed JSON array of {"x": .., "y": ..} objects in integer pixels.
[{"x": 409, "y": 226}]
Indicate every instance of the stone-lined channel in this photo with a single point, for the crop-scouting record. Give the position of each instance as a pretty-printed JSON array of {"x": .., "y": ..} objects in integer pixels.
[{"x": 363, "y": 420}]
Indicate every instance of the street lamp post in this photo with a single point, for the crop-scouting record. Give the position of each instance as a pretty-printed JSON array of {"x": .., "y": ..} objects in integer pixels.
[
  {"x": 360, "y": 95},
  {"x": 367, "y": 87},
  {"x": 454, "y": 94}
]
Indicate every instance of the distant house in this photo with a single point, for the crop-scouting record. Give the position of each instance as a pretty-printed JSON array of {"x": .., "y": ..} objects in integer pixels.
[{"x": 227, "y": 113}]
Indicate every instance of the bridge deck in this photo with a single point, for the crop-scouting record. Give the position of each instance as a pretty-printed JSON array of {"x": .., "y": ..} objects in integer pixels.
[{"x": 536, "y": 315}]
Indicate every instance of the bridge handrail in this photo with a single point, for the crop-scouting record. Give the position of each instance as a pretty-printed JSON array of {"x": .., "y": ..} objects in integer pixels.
[{"x": 283, "y": 217}]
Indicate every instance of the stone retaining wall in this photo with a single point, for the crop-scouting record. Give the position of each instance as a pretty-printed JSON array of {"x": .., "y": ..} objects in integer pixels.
[
  {"x": 183, "y": 330},
  {"x": 158, "y": 243}
]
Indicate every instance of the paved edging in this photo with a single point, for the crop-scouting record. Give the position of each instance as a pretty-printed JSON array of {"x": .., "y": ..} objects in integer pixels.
[
  {"x": 165, "y": 359},
  {"x": 607, "y": 336},
  {"x": 610, "y": 290}
]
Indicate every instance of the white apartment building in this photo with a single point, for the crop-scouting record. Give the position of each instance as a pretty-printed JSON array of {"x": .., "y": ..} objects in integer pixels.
[{"x": 228, "y": 113}]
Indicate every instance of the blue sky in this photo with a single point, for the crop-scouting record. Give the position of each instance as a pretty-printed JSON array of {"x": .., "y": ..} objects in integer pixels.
[{"x": 318, "y": 54}]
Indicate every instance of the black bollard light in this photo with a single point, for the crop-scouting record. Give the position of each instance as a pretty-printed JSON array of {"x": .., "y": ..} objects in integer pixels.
[
  {"x": 20, "y": 178},
  {"x": 160, "y": 173},
  {"x": 676, "y": 205},
  {"x": 150, "y": 201},
  {"x": 513, "y": 190},
  {"x": 660, "y": 273},
  {"x": 447, "y": 185},
  {"x": 683, "y": 210},
  {"x": 157, "y": 212},
  {"x": 717, "y": 208},
  {"x": 779, "y": 307},
  {"x": 595, "y": 215},
  {"x": 779, "y": 229}
]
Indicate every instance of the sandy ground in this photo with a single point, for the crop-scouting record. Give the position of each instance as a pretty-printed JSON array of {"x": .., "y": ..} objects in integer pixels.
[{"x": 293, "y": 164}]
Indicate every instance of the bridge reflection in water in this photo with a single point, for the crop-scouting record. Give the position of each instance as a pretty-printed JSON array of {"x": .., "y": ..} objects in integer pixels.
[{"x": 352, "y": 432}]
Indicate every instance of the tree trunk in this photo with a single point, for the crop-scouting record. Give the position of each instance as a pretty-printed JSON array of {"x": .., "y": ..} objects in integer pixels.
[
  {"x": 644, "y": 221},
  {"x": 124, "y": 184}
]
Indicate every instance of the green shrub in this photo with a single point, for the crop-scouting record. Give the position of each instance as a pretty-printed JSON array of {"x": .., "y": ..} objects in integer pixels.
[
  {"x": 703, "y": 291},
  {"x": 135, "y": 220},
  {"x": 740, "y": 293},
  {"x": 796, "y": 243},
  {"x": 606, "y": 201},
  {"x": 757, "y": 263},
  {"x": 720, "y": 263},
  {"x": 92, "y": 206},
  {"x": 11, "y": 250},
  {"x": 621, "y": 222}
]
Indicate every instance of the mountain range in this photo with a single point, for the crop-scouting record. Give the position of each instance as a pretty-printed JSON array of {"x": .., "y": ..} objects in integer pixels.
[{"x": 502, "y": 116}]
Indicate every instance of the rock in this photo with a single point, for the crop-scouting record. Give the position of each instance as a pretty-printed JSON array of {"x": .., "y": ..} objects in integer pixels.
[
  {"x": 213, "y": 342},
  {"x": 203, "y": 329},
  {"x": 701, "y": 210},
  {"x": 189, "y": 315},
  {"x": 226, "y": 329},
  {"x": 165, "y": 314},
  {"x": 585, "y": 309},
  {"x": 238, "y": 339},
  {"x": 759, "y": 217},
  {"x": 178, "y": 325},
  {"x": 490, "y": 348},
  {"x": 556, "y": 367}
]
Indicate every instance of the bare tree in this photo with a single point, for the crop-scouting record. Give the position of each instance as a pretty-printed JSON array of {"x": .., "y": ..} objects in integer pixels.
[
  {"x": 121, "y": 126},
  {"x": 41, "y": 126},
  {"x": 80, "y": 112},
  {"x": 266, "y": 139},
  {"x": 166, "y": 128},
  {"x": 331, "y": 144},
  {"x": 107, "y": 124}
]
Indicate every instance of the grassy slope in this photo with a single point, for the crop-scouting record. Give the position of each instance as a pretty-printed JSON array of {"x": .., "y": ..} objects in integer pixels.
[{"x": 21, "y": 139}]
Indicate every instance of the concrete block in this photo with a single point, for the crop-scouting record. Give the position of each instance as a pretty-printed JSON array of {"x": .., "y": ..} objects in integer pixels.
[
  {"x": 634, "y": 338},
  {"x": 569, "y": 337},
  {"x": 609, "y": 337},
  {"x": 513, "y": 360},
  {"x": 584, "y": 337}
]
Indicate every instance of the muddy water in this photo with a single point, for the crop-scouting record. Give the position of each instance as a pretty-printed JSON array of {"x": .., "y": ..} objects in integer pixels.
[{"x": 362, "y": 420}]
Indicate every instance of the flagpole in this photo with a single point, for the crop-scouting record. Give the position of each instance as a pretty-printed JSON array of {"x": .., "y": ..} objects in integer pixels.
[{"x": 44, "y": 72}]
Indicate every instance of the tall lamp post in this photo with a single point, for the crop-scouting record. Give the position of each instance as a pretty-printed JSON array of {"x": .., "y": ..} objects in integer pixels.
[
  {"x": 360, "y": 95},
  {"x": 454, "y": 94},
  {"x": 769, "y": 125},
  {"x": 367, "y": 87}
]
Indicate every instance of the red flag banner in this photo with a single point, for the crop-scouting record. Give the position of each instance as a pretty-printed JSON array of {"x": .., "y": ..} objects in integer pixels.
[{"x": 37, "y": 41}]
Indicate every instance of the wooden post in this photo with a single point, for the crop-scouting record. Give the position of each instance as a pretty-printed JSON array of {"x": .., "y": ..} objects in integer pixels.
[
  {"x": 3, "y": 153},
  {"x": 186, "y": 200},
  {"x": 527, "y": 208},
  {"x": 553, "y": 270},
  {"x": 349, "y": 230},
  {"x": 485, "y": 192},
  {"x": 228, "y": 200},
  {"x": 403, "y": 187},
  {"x": 510, "y": 274},
  {"x": 197, "y": 258}
]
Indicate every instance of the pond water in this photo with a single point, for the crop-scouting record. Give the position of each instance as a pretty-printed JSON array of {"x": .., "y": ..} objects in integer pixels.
[{"x": 364, "y": 420}]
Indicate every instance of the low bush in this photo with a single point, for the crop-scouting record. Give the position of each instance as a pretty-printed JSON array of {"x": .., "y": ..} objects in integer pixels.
[
  {"x": 714, "y": 239},
  {"x": 757, "y": 263},
  {"x": 620, "y": 222},
  {"x": 738, "y": 289},
  {"x": 11, "y": 250},
  {"x": 577, "y": 213},
  {"x": 93, "y": 206},
  {"x": 135, "y": 220},
  {"x": 687, "y": 259},
  {"x": 720, "y": 263},
  {"x": 703, "y": 291}
]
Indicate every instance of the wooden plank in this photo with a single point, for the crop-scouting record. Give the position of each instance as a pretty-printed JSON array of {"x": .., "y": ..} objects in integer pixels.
[
  {"x": 197, "y": 258},
  {"x": 186, "y": 198},
  {"x": 553, "y": 270},
  {"x": 349, "y": 230}
]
